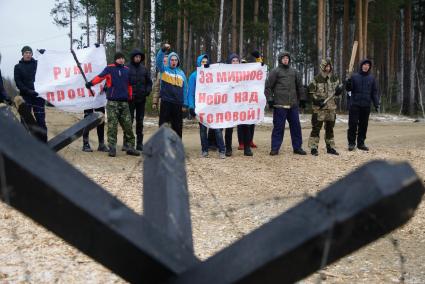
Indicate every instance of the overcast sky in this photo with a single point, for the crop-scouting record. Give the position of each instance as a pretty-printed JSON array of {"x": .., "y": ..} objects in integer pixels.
[{"x": 28, "y": 22}]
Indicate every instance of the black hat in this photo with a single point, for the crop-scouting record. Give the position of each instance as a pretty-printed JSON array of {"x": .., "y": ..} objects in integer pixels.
[
  {"x": 119, "y": 55},
  {"x": 26, "y": 48}
]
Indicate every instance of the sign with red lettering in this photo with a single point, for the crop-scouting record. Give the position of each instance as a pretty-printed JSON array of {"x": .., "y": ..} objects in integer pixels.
[
  {"x": 230, "y": 94},
  {"x": 59, "y": 81}
]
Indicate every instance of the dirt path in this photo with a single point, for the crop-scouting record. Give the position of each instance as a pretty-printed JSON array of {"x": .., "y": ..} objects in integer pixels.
[{"x": 229, "y": 198}]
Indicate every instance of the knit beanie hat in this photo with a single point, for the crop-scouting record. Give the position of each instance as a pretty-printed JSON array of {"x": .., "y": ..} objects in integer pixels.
[{"x": 25, "y": 49}]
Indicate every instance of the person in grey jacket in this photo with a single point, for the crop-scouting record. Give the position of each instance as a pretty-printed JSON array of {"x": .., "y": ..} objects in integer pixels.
[
  {"x": 364, "y": 91},
  {"x": 284, "y": 93}
]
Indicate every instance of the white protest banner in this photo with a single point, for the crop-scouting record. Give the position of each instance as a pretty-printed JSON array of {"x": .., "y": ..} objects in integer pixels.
[
  {"x": 59, "y": 81},
  {"x": 230, "y": 94}
]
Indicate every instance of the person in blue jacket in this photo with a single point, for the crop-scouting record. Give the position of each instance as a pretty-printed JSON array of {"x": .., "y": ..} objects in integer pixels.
[
  {"x": 203, "y": 60},
  {"x": 173, "y": 92}
]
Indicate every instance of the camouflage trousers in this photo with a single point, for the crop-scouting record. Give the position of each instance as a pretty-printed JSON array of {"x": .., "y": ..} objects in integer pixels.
[
  {"x": 119, "y": 112},
  {"x": 313, "y": 141}
]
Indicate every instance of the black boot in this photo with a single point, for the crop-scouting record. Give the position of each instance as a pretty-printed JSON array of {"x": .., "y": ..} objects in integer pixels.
[
  {"x": 274, "y": 153},
  {"x": 112, "y": 151},
  {"x": 362, "y": 147},
  {"x": 132, "y": 152},
  {"x": 86, "y": 147},
  {"x": 351, "y": 147},
  {"x": 102, "y": 147},
  {"x": 247, "y": 151},
  {"x": 139, "y": 144},
  {"x": 314, "y": 152},
  {"x": 331, "y": 151},
  {"x": 125, "y": 147},
  {"x": 300, "y": 151}
]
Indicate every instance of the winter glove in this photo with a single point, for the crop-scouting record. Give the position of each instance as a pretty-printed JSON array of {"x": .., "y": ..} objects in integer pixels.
[
  {"x": 89, "y": 84},
  {"x": 192, "y": 112},
  {"x": 33, "y": 93},
  {"x": 338, "y": 90},
  {"x": 207, "y": 65},
  {"x": 256, "y": 54},
  {"x": 302, "y": 104},
  {"x": 348, "y": 84},
  {"x": 271, "y": 104},
  {"x": 41, "y": 50},
  {"x": 322, "y": 104},
  {"x": 97, "y": 45},
  {"x": 166, "y": 47},
  {"x": 318, "y": 102}
]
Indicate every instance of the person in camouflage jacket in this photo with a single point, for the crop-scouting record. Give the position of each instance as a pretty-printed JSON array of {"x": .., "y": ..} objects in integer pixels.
[{"x": 325, "y": 85}]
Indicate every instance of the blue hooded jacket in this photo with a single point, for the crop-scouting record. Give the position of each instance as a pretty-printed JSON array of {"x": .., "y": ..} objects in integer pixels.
[
  {"x": 192, "y": 82},
  {"x": 173, "y": 80}
]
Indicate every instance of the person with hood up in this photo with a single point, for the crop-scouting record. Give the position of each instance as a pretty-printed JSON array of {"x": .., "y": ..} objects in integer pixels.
[
  {"x": 324, "y": 85},
  {"x": 284, "y": 93},
  {"x": 173, "y": 91},
  {"x": 141, "y": 83},
  {"x": 244, "y": 128},
  {"x": 203, "y": 60},
  {"x": 118, "y": 94},
  {"x": 364, "y": 91},
  {"x": 24, "y": 74}
]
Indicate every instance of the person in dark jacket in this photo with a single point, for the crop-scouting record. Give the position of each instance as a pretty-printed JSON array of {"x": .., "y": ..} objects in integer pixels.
[
  {"x": 284, "y": 93},
  {"x": 244, "y": 128},
  {"x": 364, "y": 91},
  {"x": 4, "y": 98},
  {"x": 24, "y": 74},
  {"x": 141, "y": 83},
  {"x": 118, "y": 94}
]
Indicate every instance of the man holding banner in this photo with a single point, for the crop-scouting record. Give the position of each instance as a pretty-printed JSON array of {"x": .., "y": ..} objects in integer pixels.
[
  {"x": 284, "y": 92},
  {"x": 118, "y": 94},
  {"x": 24, "y": 74},
  {"x": 203, "y": 60},
  {"x": 228, "y": 95}
]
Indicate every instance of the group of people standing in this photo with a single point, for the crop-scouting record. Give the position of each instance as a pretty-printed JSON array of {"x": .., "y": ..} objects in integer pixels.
[{"x": 128, "y": 86}]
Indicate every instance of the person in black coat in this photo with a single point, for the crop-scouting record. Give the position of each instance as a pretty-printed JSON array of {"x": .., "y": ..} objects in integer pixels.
[
  {"x": 141, "y": 82},
  {"x": 24, "y": 74},
  {"x": 364, "y": 91}
]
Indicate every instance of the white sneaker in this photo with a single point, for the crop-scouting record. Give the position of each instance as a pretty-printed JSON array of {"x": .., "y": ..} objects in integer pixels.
[
  {"x": 222, "y": 155},
  {"x": 204, "y": 154}
]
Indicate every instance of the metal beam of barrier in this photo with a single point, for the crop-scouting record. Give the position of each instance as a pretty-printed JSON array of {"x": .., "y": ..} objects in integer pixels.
[
  {"x": 37, "y": 182},
  {"x": 356, "y": 210},
  {"x": 165, "y": 194},
  {"x": 71, "y": 134}
]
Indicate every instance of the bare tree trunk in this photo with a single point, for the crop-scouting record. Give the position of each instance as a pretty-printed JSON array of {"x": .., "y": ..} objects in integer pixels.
[
  {"x": 185, "y": 36},
  {"x": 320, "y": 28},
  {"x": 241, "y": 29},
  {"x": 118, "y": 29},
  {"x": 141, "y": 22},
  {"x": 220, "y": 31},
  {"x": 346, "y": 37},
  {"x": 284, "y": 27},
  {"x": 333, "y": 35},
  {"x": 360, "y": 27},
  {"x": 270, "y": 49},
  {"x": 407, "y": 103},
  {"x": 234, "y": 25},
  {"x": 291, "y": 24},
  {"x": 97, "y": 32},
  {"x": 365, "y": 16},
  {"x": 402, "y": 61},
  {"x": 153, "y": 36},
  {"x": 179, "y": 29},
  {"x": 71, "y": 8},
  {"x": 88, "y": 24}
]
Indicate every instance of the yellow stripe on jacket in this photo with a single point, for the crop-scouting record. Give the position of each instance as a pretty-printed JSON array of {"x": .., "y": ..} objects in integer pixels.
[{"x": 172, "y": 79}]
